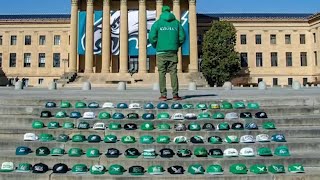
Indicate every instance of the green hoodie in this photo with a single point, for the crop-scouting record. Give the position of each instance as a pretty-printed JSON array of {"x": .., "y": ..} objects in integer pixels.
[{"x": 166, "y": 34}]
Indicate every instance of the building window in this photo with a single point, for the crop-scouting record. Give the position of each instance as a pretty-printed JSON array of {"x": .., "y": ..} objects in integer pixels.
[
  {"x": 303, "y": 59},
  {"x": 259, "y": 59},
  {"x": 27, "y": 40},
  {"x": 56, "y": 40},
  {"x": 302, "y": 39},
  {"x": 275, "y": 81},
  {"x": 260, "y": 79},
  {"x": 0, "y": 59},
  {"x": 290, "y": 81},
  {"x": 244, "y": 59},
  {"x": 288, "y": 39},
  {"x": 314, "y": 37},
  {"x": 243, "y": 39},
  {"x": 273, "y": 39},
  {"x": 40, "y": 81},
  {"x": 289, "y": 59},
  {"x": 274, "y": 59},
  {"x": 27, "y": 60},
  {"x": 305, "y": 81},
  {"x": 42, "y": 40},
  {"x": 42, "y": 59},
  {"x": 13, "y": 60},
  {"x": 56, "y": 59},
  {"x": 315, "y": 58},
  {"x": 13, "y": 40},
  {"x": 258, "y": 38},
  {"x": 1, "y": 40}
]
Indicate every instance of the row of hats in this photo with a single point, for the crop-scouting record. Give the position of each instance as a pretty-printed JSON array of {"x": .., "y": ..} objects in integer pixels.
[
  {"x": 151, "y": 153},
  {"x": 161, "y": 105},
  {"x": 116, "y": 169},
  {"x": 151, "y": 116},
  {"x": 147, "y": 139},
  {"x": 148, "y": 126}
]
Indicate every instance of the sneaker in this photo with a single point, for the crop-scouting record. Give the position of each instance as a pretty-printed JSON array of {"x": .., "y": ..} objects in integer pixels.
[
  {"x": 177, "y": 98},
  {"x": 163, "y": 98}
]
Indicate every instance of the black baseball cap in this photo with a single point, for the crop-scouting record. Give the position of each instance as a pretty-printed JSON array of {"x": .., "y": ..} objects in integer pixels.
[
  {"x": 132, "y": 153},
  {"x": 208, "y": 127},
  {"x": 166, "y": 153},
  {"x": 133, "y": 116},
  {"x": 216, "y": 153},
  {"x": 261, "y": 115},
  {"x": 237, "y": 126},
  {"x": 60, "y": 168},
  {"x": 196, "y": 139},
  {"x": 112, "y": 153},
  {"x": 176, "y": 170},
  {"x": 136, "y": 170},
  {"x": 245, "y": 115},
  {"x": 130, "y": 126},
  {"x": 40, "y": 168},
  {"x": 45, "y": 114}
]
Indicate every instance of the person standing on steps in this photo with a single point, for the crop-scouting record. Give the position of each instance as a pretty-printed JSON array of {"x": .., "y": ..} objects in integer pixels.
[{"x": 166, "y": 36}]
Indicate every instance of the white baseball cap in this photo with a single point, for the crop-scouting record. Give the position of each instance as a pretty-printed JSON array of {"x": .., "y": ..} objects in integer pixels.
[
  {"x": 230, "y": 152},
  {"x": 30, "y": 137},
  {"x": 7, "y": 167},
  {"x": 177, "y": 116},
  {"x": 99, "y": 126},
  {"x": 108, "y": 105},
  {"x": 247, "y": 152},
  {"x": 263, "y": 138},
  {"x": 232, "y": 115},
  {"x": 247, "y": 139},
  {"x": 89, "y": 115},
  {"x": 134, "y": 106}
]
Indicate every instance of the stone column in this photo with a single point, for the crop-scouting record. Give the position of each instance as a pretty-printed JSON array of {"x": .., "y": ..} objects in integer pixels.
[
  {"x": 106, "y": 38},
  {"x": 89, "y": 38},
  {"x": 73, "y": 36},
  {"x": 177, "y": 13},
  {"x": 193, "y": 67},
  {"x": 142, "y": 36},
  {"x": 159, "y": 7},
  {"x": 123, "y": 37}
]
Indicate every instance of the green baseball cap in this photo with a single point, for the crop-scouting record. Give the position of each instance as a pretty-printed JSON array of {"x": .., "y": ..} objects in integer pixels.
[
  {"x": 215, "y": 140},
  {"x": 214, "y": 169},
  {"x": 268, "y": 125},
  {"x": 232, "y": 139},
  {"x": 201, "y": 106},
  {"x": 46, "y": 137},
  {"x": 75, "y": 152},
  {"x": 79, "y": 169},
  {"x": 68, "y": 125},
  {"x": 116, "y": 169},
  {"x": 196, "y": 169},
  {"x": 104, "y": 115},
  {"x": 24, "y": 167},
  {"x": 163, "y": 139},
  {"x": 65, "y": 104},
  {"x": 62, "y": 138},
  {"x": 92, "y": 152},
  {"x": 194, "y": 126},
  {"x": 155, "y": 170},
  {"x": 276, "y": 168},
  {"x": 223, "y": 126},
  {"x": 146, "y": 139},
  {"x": 239, "y": 105},
  {"x": 80, "y": 104},
  {"x": 264, "y": 151},
  {"x": 253, "y": 105},
  {"x": 296, "y": 168},
  {"x": 176, "y": 106},
  {"x": 164, "y": 127},
  {"x": 203, "y": 115},
  {"x": 218, "y": 115},
  {"x": 226, "y": 105},
  {"x": 37, "y": 124},
  {"x": 114, "y": 126},
  {"x": 259, "y": 169},
  {"x": 78, "y": 138},
  {"x": 110, "y": 138},
  {"x": 200, "y": 152},
  {"x": 163, "y": 115},
  {"x": 282, "y": 151},
  {"x": 57, "y": 152},
  {"x": 42, "y": 151},
  {"x": 128, "y": 139},
  {"x": 53, "y": 125},
  {"x": 147, "y": 126},
  {"x": 238, "y": 169},
  {"x": 97, "y": 169},
  {"x": 188, "y": 106},
  {"x": 61, "y": 114}
]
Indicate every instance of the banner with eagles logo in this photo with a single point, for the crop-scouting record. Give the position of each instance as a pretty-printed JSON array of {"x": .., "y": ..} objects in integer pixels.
[{"x": 133, "y": 32}]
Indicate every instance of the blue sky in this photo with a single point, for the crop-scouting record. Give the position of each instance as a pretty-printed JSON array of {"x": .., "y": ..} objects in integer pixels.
[{"x": 213, "y": 6}]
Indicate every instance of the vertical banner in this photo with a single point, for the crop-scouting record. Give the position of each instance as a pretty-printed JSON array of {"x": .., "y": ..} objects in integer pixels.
[
  {"x": 185, "y": 49},
  {"x": 81, "y": 32}
]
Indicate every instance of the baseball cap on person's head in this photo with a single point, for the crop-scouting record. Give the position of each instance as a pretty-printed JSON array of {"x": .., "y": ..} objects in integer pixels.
[
  {"x": 136, "y": 170},
  {"x": 245, "y": 115},
  {"x": 264, "y": 151},
  {"x": 37, "y": 124},
  {"x": 214, "y": 169},
  {"x": 163, "y": 139},
  {"x": 51, "y": 105},
  {"x": 7, "y": 167},
  {"x": 42, "y": 151},
  {"x": 146, "y": 139},
  {"x": 166, "y": 153},
  {"x": 218, "y": 115},
  {"x": 128, "y": 139},
  {"x": 226, "y": 105},
  {"x": 132, "y": 153},
  {"x": 78, "y": 138},
  {"x": 155, "y": 170},
  {"x": 278, "y": 138},
  {"x": 94, "y": 138},
  {"x": 149, "y": 153},
  {"x": 239, "y": 105},
  {"x": 80, "y": 104},
  {"x": 215, "y": 140},
  {"x": 118, "y": 116},
  {"x": 92, "y": 153},
  {"x": 237, "y": 126},
  {"x": 232, "y": 139},
  {"x": 75, "y": 115},
  {"x": 99, "y": 126},
  {"x": 45, "y": 114},
  {"x": 188, "y": 106},
  {"x": 208, "y": 127},
  {"x": 276, "y": 168},
  {"x": 40, "y": 168},
  {"x": 197, "y": 139},
  {"x": 190, "y": 116},
  {"x": 83, "y": 125},
  {"x": 180, "y": 139},
  {"x": 44, "y": 137},
  {"x": 88, "y": 115},
  {"x": 268, "y": 125},
  {"x": 200, "y": 152},
  {"x": 247, "y": 152},
  {"x": 114, "y": 126},
  {"x": 164, "y": 127},
  {"x": 133, "y": 116},
  {"x": 251, "y": 126},
  {"x": 253, "y": 105},
  {"x": 61, "y": 114},
  {"x": 148, "y": 106},
  {"x": 176, "y": 106},
  {"x": 65, "y": 104},
  {"x": 184, "y": 153},
  {"x": 112, "y": 153},
  {"x": 79, "y": 169},
  {"x": 261, "y": 115},
  {"x": 104, "y": 115},
  {"x": 108, "y": 105},
  {"x": 23, "y": 150},
  {"x": 216, "y": 153},
  {"x": 110, "y": 138},
  {"x": 97, "y": 169},
  {"x": 214, "y": 106},
  {"x": 282, "y": 151},
  {"x": 203, "y": 116},
  {"x": 177, "y": 116},
  {"x": 57, "y": 152},
  {"x": 180, "y": 127},
  {"x": 223, "y": 126},
  {"x": 194, "y": 127},
  {"x": 130, "y": 126},
  {"x": 147, "y": 126},
  {"x": 176, "y": 170},
  {"x": 202, "y": 106},
  {"x": 259, "y": 169},
  {"x": 75, "y": 152},
  {"x": 232, "y": 115},
  {"x": 148, "y": 116},
  {"x": 230, "y": 152},
  {"x": 163, "y": 105},
  {"x": 62, "y": 138},
  {"x": 53, "y": 125},
  {"x": 122, "y": 106},
  {"x": 247, "y": 139},
  {"x": 134, "y": 106},
  {"x": 93, "y": 105},
  {"x": 196, "y": 169},
  {"x": 238, "y": 169},
  {"x": 24, "y": 167},
  {"x": 30, "y": 137},
  {"x": 296, "y": 168},
  {"x": 60, "y": 168},
  {"x": 163, "y": 116},
  {"x": 263, "y": 138}
]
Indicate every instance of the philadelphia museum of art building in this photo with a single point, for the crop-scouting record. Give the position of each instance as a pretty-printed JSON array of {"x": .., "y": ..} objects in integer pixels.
[{"x": 105, "y": 41}]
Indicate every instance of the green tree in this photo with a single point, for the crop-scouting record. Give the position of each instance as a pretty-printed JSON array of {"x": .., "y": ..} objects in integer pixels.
[{"x": 220, "y": 61}]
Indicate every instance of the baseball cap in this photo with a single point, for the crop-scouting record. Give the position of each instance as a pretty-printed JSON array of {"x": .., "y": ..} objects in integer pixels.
[
  {"x": 133, "y": 116},
  {"x": 147, "y": 126},
  {"x": 83, "y": 125},
  {"x": 200, "y": 152},
  {"x": 263, "y": 138},
  {"x": 110, "y": 138},
  {"x": 218, "y": 115},
  {"x": 176, "y": 106},
  {"x": 208, "y": 127},
  {"x": 57, "y": 152},
  {"x": 44, "y": 137},
  {"x": 122, "y": 106},
  {"x": 128, "y": 139},
  {"x": 180, "y": 127},
  {"x": 268, "y": 125},
  {"x": 30, "y": 137},
  {"x": 68, "y": 125},
  {"x": 237, "y": 126},
  {"x": 259, "y": 169},
  {"x": 194, "y": 126},
  {"x": 253, "y": 105},
  {"x": 99, "y": 126},
  {"x": 247, "y": 152},
  {"x": 42, "y": 151},
  {"x": 97, "y": 169},
  {"x": 92, "y": 152},
  {"x": 78, "y": 138},
  {"x": 62, "y": 138},
  {"x": 197, "y": 139},
  {"x": 51, "y": 105},
  {"x": 130, "y": 126},
  {"x": 247, "y": 139},
  {"x": 214, "y": 106},
  {"x": 60, "y": 168},
  {"x": 65, "y": 104},
  {"x": 23, "y": 150},
  {"x": 239, "y": 105},
  {"x": 114, "y": 126},
  {"x": 149, "y": 153},
  {"x": 93, "y": 105},
  {"x": 134, "y": 106},
  {"x": 215, "y": 140},
  {"x": 24, "y": 167},
  {"x": 164, "y": 127},
  {"x": 238, "y": 169},
  {"x": 296, "y": 168},
  {"x": 94, "y": 138},
  {"x": 196, "y": 169},
  {"x": 188, "y": 106},
  {"x": 232, "y": 115},
  {"x": 223, "y": 126},
  {"x": 155, "y": 170},
  {"x": 276, "y": 168},
  {"x": 75, "y": 115},
  {"x": 112, "y": 153},
  {"x": 245, "y": 115},
  {"x": 108, "y": 105},
  {"x": 45, "y": 114},
  {"x": 132, "y": 153},
  {"x": 203, "y": 116},
  {"x": 226, "y": 105},
  {"x": 80, "y": 104},
  {"x": 201, "y": 106},
  {"x": 190, "y": 116},
  {"x": 163, "y": 139},
  {"x": 278, "y": 138},
  {"x": 177, "y": 116},
  {"x": 53, "y": 125},
  {"x": 282, "y": 151},
  {"x": 7, "y": 167},
  {"x": 251, "y": 126},
  {"x": 146, "y": 139},
  {"x": 75, "y": 152},
  {"x": 166, "y": 153},
  {"x": 148, "y": 106},
  {"x": 163, "y": 105},
  {"x": 136, "y": 170},
  {"x": 176, "y": 170},
  {"x": 104, "y": 115},
  {"x": 264, "y": 151},
  {"x": 216, "y": 153},
  {"x": 40, "y": 168},
  {"x": 214, "y": 169},
  {"x": 61, "y": 114},
  {"x": 163, "y": 115},
  {"x": 230, "y": 152},
  {"x": 148, "y": 116},
  {"x": 180, "y": 139},
  {"x": 88, "y": 115},
  {"x": 184, "y": 153},
  {"x": 261, "y": 115},
  {"x": 79, "y": 169},
  {"x": 37, "y": 124}
]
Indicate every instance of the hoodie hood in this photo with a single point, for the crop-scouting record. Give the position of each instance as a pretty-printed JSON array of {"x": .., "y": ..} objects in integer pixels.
[{"x": 167, "y": 16}]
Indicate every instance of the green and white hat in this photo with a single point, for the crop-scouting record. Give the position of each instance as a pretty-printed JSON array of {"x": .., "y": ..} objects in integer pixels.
[
  {"x": 247, "y": 152},
  {"x": 163, "y": 139},
  {"x": 80, "y": 104},
  {"x": 276, "y": 168},
  {"x": 282, "y": 151},
  {"x": 231, "y": 152},
  {"x": 114, "y": 126},
  {"x": 163, "y": 105},
  {"x": 188, "y": 106},
  {"x": 53, "y": 125},
  {"x": 97, "y": 169},
  {"x": 296, "y": 168},
  {"x": 61, "y": 114},
  {"x": 79, "y": 169},
  {"x": 78, "y": 138},
  {"x": 92, "y": 153},
  {"x": 146, "y": 139},
  {"x": 184, "y": 153},
  {"x": 104, "y": 115},
  {"x": 200, "y": 152},
  {"x": 164, "y": 127},
  {"x": 99, "y": 126},
  {"x": 177, "y": 116},
  {"x": 68, "y": 125},
  {"x": 44, "y": 137},
  {"x": 218, "y": 115},
  {"x": 128, "y": 139},
  {"x": 202, "y": 106},
  {"x": 57, "y": 152},
  {"x": 75, "y": 152},
  {"x": 259, "y": 169},
  {"x": 196, "y": 169},
  {"x": 194, "y": 126},
  {"x": 176, "y": 106},
  {"x": 253, "y": 105},
  {"x": 118, "y": 116},
  {"x": 215, "y": 140},
  {"x": 147, "y": 126},
  {"x": 268, "y": 125},
  {"x": 232, "y": 139},
  {"x": 204, "y": 115},
  {"x": 110, "y": 138},
  {"x": 214, "y": 169},
  {"x": 62, "y": 138},
  {"x": 239, "y": 105},
  {"x": 149, "y": 153},
  {"x": 24, "y": 167},
  {"x": 263, "y": 138},
  {"x": 163, "y": 116},
  {"x": 116, "y": 169},
  {"x": 180, "y": 139},
  {"x": 264, "y": 151},
  {"x": 226, "y": 105},
  {"x": 65, "y": 104},
  {"x": 37, "y": 124},
  {"x": 7, "y": 167},
  {"x": 223, "y": 126},
  {"x": 238, "y": 169},
  {"x": 155, "y": 170},
  {"x": 214, "y": 106}
]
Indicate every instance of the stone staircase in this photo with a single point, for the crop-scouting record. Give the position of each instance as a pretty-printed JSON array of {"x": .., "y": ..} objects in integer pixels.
[
  {"x": 300, "y": 124},
  {"x": 67, "y": 78}
]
